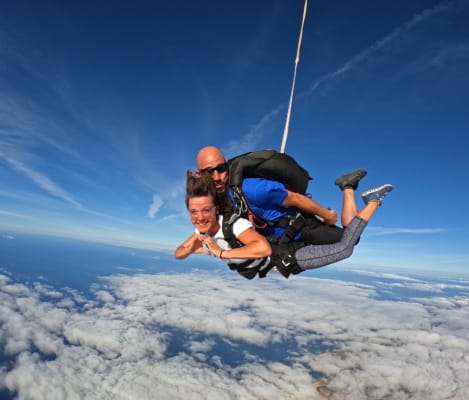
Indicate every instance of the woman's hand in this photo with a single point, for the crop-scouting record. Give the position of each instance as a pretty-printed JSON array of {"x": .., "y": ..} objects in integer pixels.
[
  {"x": 191, "y": 245},
  {"x": 210, "y": 246}
]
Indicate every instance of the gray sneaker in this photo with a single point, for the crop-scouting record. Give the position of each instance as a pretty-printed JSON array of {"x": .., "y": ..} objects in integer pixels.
[
  {"x": 350, "y": 180},
  {"x": 377, "y": 194}
]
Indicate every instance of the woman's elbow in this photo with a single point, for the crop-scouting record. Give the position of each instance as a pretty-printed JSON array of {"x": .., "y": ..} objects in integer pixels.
[
  {"x": 179, "y": 254},
  {"x": 267, "y": 250}
]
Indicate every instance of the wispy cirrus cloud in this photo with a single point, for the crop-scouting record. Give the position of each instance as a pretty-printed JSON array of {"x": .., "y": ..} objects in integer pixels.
[
  {"x": 380, "y": 44},
  {"x": 254, "y": 135},
  {"x": 24, "y": 130},
  {"x": 379, "y": 230},
  {"x": 12, "y": 214},
  {"x": 40, "y": 180},
  {"x": 249, "y": 141}
]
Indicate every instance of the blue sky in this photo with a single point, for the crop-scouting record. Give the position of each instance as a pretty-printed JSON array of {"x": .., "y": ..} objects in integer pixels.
[{"x": 103, "y": 108}]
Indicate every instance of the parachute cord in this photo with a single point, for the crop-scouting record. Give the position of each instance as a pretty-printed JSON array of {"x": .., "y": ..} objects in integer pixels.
[{"x": 297, "y": 60}]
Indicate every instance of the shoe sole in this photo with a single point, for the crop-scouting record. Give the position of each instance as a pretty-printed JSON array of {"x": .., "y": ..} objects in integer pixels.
[
  {"x": 357, "y": 174},
  {"x": 379, "y": 188}
]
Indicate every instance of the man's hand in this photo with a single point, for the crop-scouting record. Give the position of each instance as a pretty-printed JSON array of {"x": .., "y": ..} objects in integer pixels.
[
  {"x": 330, "y": 218},
  {"x": 310, "y": 206}
]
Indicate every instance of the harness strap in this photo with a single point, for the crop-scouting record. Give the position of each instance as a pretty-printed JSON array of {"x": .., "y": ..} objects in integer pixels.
[
  {"x": 295, "y": 225},
  {"x": 263, "y": 272},
  {"x": 283, "y": 258},
  {"x": 227, "y": 228},
  {"x": 250, "y": 272},
  {"x": 256, "y": 221},
  {"x": 241, "y": 205}
]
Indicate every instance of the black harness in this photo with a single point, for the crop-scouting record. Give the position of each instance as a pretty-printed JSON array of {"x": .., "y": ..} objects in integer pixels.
[
  {"x": 283, "y": 252},
  {"x": 245, "y": 269}
]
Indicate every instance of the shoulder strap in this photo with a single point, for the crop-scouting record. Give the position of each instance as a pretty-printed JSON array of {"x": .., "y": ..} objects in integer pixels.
[
  {"x": 241, "y": 206},
  {"x": 227, "y": 228}
]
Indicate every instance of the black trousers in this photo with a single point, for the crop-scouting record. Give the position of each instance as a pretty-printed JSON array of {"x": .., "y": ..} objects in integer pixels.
[{"x": 317, "y": 232}]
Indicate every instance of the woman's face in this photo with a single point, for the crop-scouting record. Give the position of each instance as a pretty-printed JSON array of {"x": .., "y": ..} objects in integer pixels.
[{"x": 203, "y": 213}]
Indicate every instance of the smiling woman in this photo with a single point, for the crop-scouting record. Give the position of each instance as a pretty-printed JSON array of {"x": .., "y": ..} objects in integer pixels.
[{"x": 204, "y": 208}]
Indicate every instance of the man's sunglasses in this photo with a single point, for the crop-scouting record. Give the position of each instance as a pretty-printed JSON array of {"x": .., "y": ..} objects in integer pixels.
[{"x": 219, "y": 168}]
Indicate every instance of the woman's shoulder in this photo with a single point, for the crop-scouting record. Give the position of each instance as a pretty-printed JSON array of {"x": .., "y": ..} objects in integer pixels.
[{"x": 240, "y": 225}]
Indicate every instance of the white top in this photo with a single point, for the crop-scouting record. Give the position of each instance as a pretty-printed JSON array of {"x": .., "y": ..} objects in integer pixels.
[{"x": 239, "y": 226}]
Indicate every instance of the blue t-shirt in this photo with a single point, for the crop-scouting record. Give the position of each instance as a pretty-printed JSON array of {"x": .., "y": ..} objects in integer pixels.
[{"x": 265, "y": 199}]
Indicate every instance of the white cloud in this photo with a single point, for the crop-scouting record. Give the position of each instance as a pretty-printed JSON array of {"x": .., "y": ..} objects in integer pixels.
[
  {"x": 154, "y": 206},
  {"x": 41, "y": 180},
  {"x": 11, "y": 214},
  {"x": 178, "y": 334},
  {"x": 451, "y": 53},
  {"x": 249, "y": 141},
  {"x": 379, "y": 230},
  {"x": 386, "y": 275}
]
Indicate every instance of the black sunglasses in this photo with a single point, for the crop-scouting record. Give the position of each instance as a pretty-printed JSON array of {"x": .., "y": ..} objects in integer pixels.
[{"x": 219, "y": 168}]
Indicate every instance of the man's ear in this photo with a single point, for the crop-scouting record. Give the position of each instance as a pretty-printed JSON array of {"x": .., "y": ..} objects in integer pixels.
[{"x": 197, "y": 172}]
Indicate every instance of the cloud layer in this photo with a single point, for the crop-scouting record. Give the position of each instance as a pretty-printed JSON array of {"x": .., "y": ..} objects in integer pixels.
[{"x": 201, "y": 336}]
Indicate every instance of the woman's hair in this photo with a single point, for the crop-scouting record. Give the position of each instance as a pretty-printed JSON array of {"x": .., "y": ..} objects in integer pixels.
[
  {"x": 199, "y": 186},
  {"x": 202, "y": 186}
]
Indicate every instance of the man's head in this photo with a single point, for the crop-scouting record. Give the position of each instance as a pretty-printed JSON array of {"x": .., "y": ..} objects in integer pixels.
[
  {"x": 201, "y": 202},
  {"x": 210, "y": 160}
]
